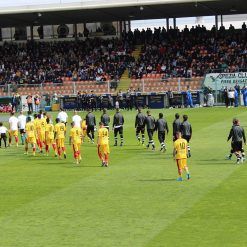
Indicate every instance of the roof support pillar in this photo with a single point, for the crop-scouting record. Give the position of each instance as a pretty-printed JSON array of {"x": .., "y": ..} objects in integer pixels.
[
  {"x": 167, "y": 24},
  {"x": 75, "y": 30},
  {"x": 129, "y": 24},
  {"x": 221, "y": 20},
  {"x": 174, "y": 23},
  {"x": 216, "y": 22},
  {"x": 121, "y": 28},
  {"x": 31, "y": 32}
]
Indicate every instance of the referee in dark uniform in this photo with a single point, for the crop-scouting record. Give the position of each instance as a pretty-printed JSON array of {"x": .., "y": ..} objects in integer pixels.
[
  {"x": 186, "y": 131},
  {"x": 118, "y": 122},
  {"x": 140, "y": 126},
  {"x": 237, "y": 135},
  {"x": 150, "y": 125},
  {"x": 162, "y": 128},
  {"x": 91, "y": 123}
]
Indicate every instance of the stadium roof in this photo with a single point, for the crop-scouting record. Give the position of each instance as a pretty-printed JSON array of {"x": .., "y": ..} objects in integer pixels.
[{"x": 149, "y": 10}]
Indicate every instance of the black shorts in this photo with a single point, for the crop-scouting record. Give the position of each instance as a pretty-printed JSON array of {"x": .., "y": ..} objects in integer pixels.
[
  {"x": 187, "y": 138},
  {"x": 161, "y": 136},
  {"x": 140, "y": 129},
  {"x": 237, "y": 146},
  {"x": 22, "y": 131},
  {"x": 3, "y": 136},
  {"x": 118, "y": 130},
  {"x": 90, "y": 129}
]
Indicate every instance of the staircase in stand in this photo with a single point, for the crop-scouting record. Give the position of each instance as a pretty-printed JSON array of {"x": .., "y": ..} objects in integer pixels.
[{"x": 125, "y": 81}]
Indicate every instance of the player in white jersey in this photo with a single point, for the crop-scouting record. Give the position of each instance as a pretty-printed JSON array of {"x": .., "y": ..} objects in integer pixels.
[
  {"x": 63, "y": 116},
  {"x": 22, "y": 123},
  {"x": 77, "y": 120},
  {"x": 13, "y": 128},
  {"x": 3, "y": 135}
]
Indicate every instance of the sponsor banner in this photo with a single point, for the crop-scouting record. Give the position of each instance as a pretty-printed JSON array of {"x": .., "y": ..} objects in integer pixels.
[
  {"x": 218, "y": 80},
  {"x": 156, "y": 101},
  {"x": 69, "y": 103}
]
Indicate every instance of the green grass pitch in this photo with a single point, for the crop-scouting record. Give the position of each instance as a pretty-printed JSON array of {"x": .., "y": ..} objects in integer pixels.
[{"x": 136, "y": 201}]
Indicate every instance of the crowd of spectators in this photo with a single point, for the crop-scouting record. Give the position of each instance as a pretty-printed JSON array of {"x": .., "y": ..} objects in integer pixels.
[
  {"x": 172, "y": 53},
  {"x": 38, "y": 62},
  {"x": 188, "y": 53}
]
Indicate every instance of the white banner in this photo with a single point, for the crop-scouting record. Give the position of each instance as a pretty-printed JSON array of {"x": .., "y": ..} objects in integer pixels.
[{"x": 219, "y": 80}]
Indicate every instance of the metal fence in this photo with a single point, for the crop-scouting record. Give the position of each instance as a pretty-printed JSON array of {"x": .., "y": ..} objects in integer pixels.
[{"x": 144, "y": 85}]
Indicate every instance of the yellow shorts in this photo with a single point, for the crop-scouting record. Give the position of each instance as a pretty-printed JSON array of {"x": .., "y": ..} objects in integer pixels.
[
  {"x": 104, "y": 148},
  {"x": 60, "y": 142},
  {"x": 76, "y": 147},
  {"x": 84, "y": 132},
  {"x": 41, "y": 136},
  {"x": 181, "y": 163},
  {"x": 31, "y": 140},
  {"x": 49, "y": 141},
  {"x": 13, "y": 133}
]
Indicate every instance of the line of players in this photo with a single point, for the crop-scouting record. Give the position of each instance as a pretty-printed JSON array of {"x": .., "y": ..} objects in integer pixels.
[
  {"x": 42, "y": 132},
  {"x": 39, "y": 132},
  {"x": 88, "y": 126},
  {"x": 160, "y": 125}
]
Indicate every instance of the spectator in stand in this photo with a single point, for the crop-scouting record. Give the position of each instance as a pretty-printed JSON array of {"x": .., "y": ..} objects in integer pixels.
[
  {"x": 39, "y": 62},
  {"x": 191, "y": 52},
  {"x": 244, "y": 26}
]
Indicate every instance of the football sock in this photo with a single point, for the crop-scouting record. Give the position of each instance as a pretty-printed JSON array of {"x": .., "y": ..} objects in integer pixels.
[
  {"x": 22, "y": 139},
  {"x": 143, "y": 139}
]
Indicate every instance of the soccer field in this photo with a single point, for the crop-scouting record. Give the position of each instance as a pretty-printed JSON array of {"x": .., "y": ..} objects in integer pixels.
[{"x": 137, "y": 200}]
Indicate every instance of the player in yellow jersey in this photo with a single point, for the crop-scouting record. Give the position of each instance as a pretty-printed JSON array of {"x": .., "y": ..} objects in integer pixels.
[
  {"x": 30, "y": 132},
  {"x": 49, "y": 137},
  {"x": 103, "y": 144},
  {"x": 75, "y": 138},
  {"x": 60, "y": 132},
  {"x": 84, "y": 129},
  {"x": 180, "y": 153},
  {"x": 36, "y": 123},
  {"x": 41, "y": 124}
]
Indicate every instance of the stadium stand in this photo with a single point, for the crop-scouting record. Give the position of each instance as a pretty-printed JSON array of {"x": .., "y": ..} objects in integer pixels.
[{"x": 168, "y": 60}]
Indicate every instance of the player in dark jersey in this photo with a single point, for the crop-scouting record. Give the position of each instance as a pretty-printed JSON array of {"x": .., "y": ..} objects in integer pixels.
[
  {"x": 186, "y": 131},
  {"x": 140, "y": 126},
  {"x": 176, "y": 126},
  {"x": 150, "y": 125},
  {"x": 162, "y": 128},
  {"x": 91, "y": 123},
  {"x": 237, "y": 135},
  {"x": 105, "y": 119},
  {"x": 118, "y": 122}
]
